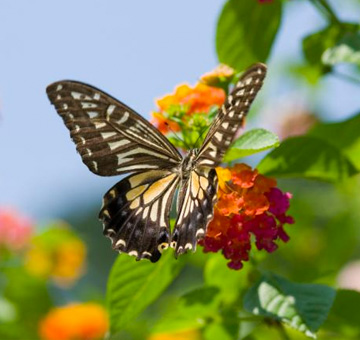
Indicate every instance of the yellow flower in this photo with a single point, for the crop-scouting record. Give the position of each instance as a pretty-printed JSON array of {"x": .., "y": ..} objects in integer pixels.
[
  {"x": 85, "y": 321},
  {"x": 57, "y": 254},
  {"x": 69, "y": 263}
]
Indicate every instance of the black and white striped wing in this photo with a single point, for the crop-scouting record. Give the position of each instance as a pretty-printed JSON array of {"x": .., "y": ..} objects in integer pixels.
[
  {"x": 231, "y": 116},
  {"x": 135, "y": 213},
  {"x": 196, "y": 205},
  {"x": 111, "y": 138}
]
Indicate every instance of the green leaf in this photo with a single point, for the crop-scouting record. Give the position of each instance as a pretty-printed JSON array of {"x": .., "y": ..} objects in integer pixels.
[
  {"x": 246, "y": 31},
  {"x": 301, "y": 306},
  {"x": 307, "y": 157},
  {"x": 216, "y": 331},
  {"x": 347, "y": 50},
  {"x": 344, "y": 135},
  {"x": 229, "y": 282},
  {"x": 132, "y": 286},
  {"x": 316, "y": 44},
  {"x": 251, "y": 142},
  {"x": 345, "y": 311},
  {"x": 202, "y": 295}
]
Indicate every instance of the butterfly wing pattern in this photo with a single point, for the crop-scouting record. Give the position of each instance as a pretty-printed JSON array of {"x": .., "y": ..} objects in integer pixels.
[
  {"x": 113, "y": 139},
  {"x": 198, "y": 193}
]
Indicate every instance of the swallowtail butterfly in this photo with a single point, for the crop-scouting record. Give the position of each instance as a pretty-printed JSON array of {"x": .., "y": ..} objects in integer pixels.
[{"x": 113, "y": 139}]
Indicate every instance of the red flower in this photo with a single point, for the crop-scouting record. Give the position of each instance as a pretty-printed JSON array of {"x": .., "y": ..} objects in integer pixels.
[{"x": 248, "y": 204}]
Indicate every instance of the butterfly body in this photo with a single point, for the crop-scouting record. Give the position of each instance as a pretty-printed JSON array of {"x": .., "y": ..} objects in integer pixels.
[{"x": 113, "y": 139}]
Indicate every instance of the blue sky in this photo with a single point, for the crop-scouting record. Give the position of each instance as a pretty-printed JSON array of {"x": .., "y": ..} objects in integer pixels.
[{"x": 135, "y": 50}]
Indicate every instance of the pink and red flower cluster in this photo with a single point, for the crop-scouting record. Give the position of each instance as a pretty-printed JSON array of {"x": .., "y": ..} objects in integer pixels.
[{"x": 249, "y": 204}]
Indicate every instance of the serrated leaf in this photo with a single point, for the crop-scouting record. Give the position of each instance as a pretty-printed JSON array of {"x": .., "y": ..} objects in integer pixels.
[
  {"x": 347, "y": 137},
  {"x": 132, "y": 286},
  {"x": 301, "y": 306},
  {"x": 240, "y": 37},
  {"x": 251, "y": 142},
  {"x": 307, "y": 157}
]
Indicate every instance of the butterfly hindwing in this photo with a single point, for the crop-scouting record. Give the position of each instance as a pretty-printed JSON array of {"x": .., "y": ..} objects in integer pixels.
[
  {"x": 135, "y": 213},
  {"x": 111, "y": 138},
  {"x": 230, "y": 116}
]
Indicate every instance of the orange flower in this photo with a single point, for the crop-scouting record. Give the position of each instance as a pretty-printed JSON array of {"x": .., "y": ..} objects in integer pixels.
[
  {"x": 229, "y": 204},
  {"x": 164, "y": 125},
  {"x": 243, "y": 176},
  {"x": 255, "y": 204},
  {"x": 222, "y": 73},
  {"x": 197, "y": 99},
  {"x": 218, "y": 225},
  {"x": 74, "y": 322}
]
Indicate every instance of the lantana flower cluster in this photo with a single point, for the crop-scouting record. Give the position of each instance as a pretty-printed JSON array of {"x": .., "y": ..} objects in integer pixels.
[
  {"x": 250, "y": 208},
  {"x": 189, "y": 110}
]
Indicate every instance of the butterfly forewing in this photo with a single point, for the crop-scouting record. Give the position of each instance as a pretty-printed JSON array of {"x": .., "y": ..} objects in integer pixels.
[
  {"x": 231, "y": 116},
  {"x": 110, "y": 137}
]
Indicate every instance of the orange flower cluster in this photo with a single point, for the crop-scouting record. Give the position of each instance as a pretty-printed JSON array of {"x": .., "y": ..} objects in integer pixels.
[
  {"x": 75, "y": 322},
  {"x": 248, "y": 204},
  {"x": 57, "y": 254},
  {"x": 197, "y": 99}
]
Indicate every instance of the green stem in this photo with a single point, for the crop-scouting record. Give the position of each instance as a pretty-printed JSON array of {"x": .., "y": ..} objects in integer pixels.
[{"x": 326, "y": 10}]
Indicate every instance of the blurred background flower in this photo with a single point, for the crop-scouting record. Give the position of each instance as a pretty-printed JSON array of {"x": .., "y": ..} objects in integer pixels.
[
  {"x": 349, "y": 276},
  {"x": 57, "y": 253},
  {"x": 85, "y": 321},
  {"x": 15, "y": 230}
]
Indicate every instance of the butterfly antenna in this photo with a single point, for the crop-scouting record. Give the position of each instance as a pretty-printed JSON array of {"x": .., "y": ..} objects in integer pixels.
[
  {"x": 176, "y": 135},
  {"x": 201, "y": 134}
]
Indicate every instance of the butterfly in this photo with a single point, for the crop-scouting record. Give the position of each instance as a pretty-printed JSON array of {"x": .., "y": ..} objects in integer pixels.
[{"x": 113, "y": 139}]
